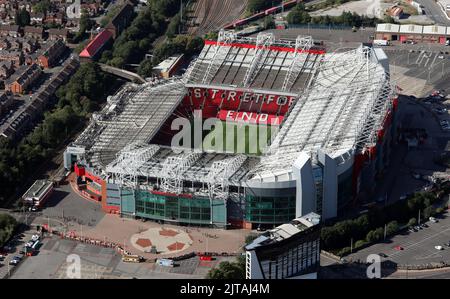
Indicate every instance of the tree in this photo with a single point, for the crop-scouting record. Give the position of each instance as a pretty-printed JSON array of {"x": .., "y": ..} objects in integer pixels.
[
  {"x": 412, "y": 221},
  {"x": 7, "y": 227},
  {"x": 42, "y": 6},
  {"x": 22, "y": 17},
  {"x": 388, "y": 19},
  {"x": 375, "y": 235},
  {"x": 166, "y": 8},
  {"x": 174, "y": 26},
  {"x": 392, "y": 227},
  {"x": 254, "y": 6},
  {"x": 298, "y": 15},
  {"x": 360, "y": 243},
  {"x": 428, "y": 212},
  {"x": 227, "y": 270},
  {"x": 145, "y": 68},
  {"x": 269, "y": 22}
]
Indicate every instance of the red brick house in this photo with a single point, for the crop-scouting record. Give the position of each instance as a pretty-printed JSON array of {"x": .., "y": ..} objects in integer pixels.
[{"x": 51, "y": 54}]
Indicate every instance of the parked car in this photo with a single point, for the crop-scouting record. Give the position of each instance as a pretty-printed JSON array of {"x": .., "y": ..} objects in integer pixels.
[
  {"x": 434, "y": 220},
  {"x": 13, "y": 262},
  {"x": 383, "y": 255},
  {"x": 398, "y": 248},
  {"x": 439, "y": 247},
  {"x": 424, "y": 225}
]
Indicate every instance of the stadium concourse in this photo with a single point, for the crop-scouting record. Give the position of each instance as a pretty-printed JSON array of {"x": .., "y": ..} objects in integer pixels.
[{"x": 331, "y": 118}]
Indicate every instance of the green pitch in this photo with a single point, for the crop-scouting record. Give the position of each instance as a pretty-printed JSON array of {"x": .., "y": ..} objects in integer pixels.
[{"x": 239, "y": 138}]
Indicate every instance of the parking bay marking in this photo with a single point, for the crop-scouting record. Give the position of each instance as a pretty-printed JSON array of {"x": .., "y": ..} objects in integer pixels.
[{"x": 417, "y": 243}]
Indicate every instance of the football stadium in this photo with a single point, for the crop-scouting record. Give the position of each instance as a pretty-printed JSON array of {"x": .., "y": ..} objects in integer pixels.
[{"x": 257, "y": 132}]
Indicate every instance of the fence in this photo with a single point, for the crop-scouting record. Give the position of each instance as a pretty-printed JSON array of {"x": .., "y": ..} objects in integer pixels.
[{"x": 319, "y": 26}]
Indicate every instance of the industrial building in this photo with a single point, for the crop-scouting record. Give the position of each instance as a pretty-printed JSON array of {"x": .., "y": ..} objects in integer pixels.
[
  {"x": 289, "y": 251},
  {"x": 331, "y": 117},
  {"x": 416, "y": 33}
]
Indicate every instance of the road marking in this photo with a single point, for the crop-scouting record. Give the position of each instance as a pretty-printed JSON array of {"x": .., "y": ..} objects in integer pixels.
[{"x": 417, "y": 243}]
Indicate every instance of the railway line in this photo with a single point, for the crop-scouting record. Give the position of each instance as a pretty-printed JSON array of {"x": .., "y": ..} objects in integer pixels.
[{"x": 209, "y": 15}]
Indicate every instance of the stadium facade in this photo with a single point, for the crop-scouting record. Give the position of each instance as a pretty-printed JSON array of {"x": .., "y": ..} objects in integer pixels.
[{"x": 332, "y": 117}]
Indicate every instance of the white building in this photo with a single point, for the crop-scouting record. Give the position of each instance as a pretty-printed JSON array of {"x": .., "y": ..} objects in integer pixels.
[{"x": 289, "y": 251}]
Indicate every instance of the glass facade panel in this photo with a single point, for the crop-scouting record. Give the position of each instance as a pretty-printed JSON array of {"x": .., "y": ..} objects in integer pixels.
[
  {"x": 180, "y": 209},
  {"x": 269, "y": 210}
]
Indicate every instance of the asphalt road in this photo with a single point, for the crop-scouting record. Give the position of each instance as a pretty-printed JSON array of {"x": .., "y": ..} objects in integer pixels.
[
  {"x": 419, "y": 247},
  {"x": 56, "y": 258},
  {"x": 434, "y": 12}
]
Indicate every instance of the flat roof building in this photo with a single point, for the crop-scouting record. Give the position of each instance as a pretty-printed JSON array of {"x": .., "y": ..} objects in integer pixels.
[
  {"x": 291, "y": 250},
  {"x": 416, "y": 33},
  {"x": 169, "y": 66},
  {"x": 38, "y": 193}
]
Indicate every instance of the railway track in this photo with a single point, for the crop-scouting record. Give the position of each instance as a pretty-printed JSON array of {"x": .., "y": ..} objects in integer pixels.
[{"x": 211, "y": 15}]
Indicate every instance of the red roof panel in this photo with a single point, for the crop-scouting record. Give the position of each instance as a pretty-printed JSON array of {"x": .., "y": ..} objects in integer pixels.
[{"x": 95, "y": 45}]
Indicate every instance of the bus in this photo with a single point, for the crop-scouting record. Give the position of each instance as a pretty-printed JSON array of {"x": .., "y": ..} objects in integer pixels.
[{"x": 132, "y": 258}]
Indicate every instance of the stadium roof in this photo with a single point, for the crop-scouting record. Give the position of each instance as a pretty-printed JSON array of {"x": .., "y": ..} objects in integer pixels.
[
  {"x": 343, "y": 100},
  {"x": 263, "y": 64},
  {"x": 134, "y": 114},
  {"x": 342, "y": 111}
]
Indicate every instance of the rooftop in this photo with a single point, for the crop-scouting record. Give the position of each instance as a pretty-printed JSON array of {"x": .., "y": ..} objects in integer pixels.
[
  {"x": 39, "y": 188},
  {"x": 342, "y": 100},
  {"x": 340, "y": 113},
  {"x": 285, "y": 231},
  {"x": 94, "y": 45},
  {"x": 263, "y": 64},
  {"x": 167, "y": 64}
]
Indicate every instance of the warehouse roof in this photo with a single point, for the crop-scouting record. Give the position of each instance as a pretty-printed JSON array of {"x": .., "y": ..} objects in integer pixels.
[
  {"x": 411, "y": 28},
  {"x": 390, "y": 28},
  {"x": 434, "y": 30}
]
